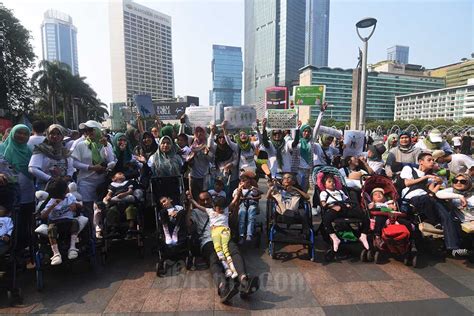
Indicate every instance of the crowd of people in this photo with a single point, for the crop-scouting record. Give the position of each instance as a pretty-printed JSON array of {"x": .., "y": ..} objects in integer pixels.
[{"x": 220, "y": 171}]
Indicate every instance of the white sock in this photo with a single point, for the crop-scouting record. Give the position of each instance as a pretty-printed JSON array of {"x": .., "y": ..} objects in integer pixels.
[
  {"x": 363, "y": 240},
  {"x": 55, "y": 249},
  {"x": 174, "y": 237},
  {"x": 225, "y": 265},
  {"x": 73, "y": 241},
  {"x": 335, "y": 242},
  {"x": 168, "y": 239}
]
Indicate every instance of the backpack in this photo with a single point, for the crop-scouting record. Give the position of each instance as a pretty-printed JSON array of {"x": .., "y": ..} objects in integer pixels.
[{"x": 400, "y": 183}]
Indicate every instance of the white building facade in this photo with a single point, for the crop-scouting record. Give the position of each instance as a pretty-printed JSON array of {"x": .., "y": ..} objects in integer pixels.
[
  {"x": 452, "y": 103},
  {"x": 141, "y": 52}
]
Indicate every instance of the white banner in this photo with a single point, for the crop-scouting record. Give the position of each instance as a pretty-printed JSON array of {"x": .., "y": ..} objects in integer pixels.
[
  {"x": 354, "y": 143},
  {"x": 329, "y": 131},
  {"x": 201, "y": 116},
  {"x": 282, "y": 119},
  {"x": 239, "y": 116}
]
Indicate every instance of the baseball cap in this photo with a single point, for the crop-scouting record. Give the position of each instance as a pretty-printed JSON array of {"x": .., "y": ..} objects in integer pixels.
[
  {"x": 90, "y": 124},
  {"x": 435, "y": 136},
  {"x": 438, "y": 154}
]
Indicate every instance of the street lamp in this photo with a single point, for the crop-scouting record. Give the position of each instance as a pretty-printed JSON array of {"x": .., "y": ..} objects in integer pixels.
[{"x": 363, "y": 24}]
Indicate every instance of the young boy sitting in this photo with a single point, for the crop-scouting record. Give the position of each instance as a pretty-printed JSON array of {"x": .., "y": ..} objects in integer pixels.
[
  {"x": 172, "y": 217},
  {"x": 249, "y": 195},
  {"x": 6, "y": 230},
  {"x": 218, "y": 190}
]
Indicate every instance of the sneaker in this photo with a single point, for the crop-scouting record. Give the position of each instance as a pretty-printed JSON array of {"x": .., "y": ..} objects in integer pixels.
[
  {"x": 460, "y": 253},
  {"x": 227, "y": 291},
  {"x": 56, "y": 260},
  {"x": 249, "y": 238},
  {"x": 228, "y": 273},
  {"x": 315, "y": 211},
  {"x": 234, "y": 275},
  {"x": 72, "y": 254}
]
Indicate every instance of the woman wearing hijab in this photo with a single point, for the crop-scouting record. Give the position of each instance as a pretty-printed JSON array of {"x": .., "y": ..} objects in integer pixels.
[
  {"x": 122, "y": 151},
  {"x": 50, "y": 158},
  {"x": 402, "y": 155},
  {"x": 392, "y": 141},
  {"x": 91, "y": 158},
  {"x": 462, "y": 196},
  {"x": 165, "y": 162},
  {"x": 17, "y": 154},
  {"x": 133, "y": 136},
  {"x": 147, "y": 148}
]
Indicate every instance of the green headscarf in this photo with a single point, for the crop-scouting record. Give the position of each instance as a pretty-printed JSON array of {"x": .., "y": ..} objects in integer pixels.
[
  {"x": 95, "y": 146},
  {"x": 244, "y": 146},
  {"x": 167, "y": 164},
  {"x": 18, "y": 155},
  {"x": 305, "y": 146},
  {"x": 167, "y": 131},
  {"x": 127, "y": 153}
]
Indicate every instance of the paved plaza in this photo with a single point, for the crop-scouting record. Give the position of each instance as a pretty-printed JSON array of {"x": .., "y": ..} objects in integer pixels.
[{"x": 290, "y": 285}]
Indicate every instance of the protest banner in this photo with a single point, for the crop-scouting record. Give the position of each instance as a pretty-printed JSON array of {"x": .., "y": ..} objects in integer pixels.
[
  {"x": 239, "y": 116},
  {"x": 144, "y": 105},
  {"x": 354, "y": 143},
  {"x": 201, "y": 116},
  {"x": 282, "y": 119},
  {"x": 330, "y": 131},
  {"x": 309, "y": 95},
  {"x": 170, "y": 110},
  {"x": 276, "y": 98}
]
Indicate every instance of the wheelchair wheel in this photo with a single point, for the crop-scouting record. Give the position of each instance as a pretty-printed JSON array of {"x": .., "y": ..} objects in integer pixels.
[
  {"x": 329, "y": 256},
  {"x": 414, "y": 261},
  {"x": 363, "y": 255},
  {"x": 370, "y": 256},
  {"x": 271, "y": 249},
  {"x": 378, "y": 257}
]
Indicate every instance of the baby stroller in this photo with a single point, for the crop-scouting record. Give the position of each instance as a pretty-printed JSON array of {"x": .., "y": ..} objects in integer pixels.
[
  {"x": 8, "y": 256},
  {"x": 396, "y": 237},
  {"x": 283, "y": 229},
  {"x": 170, "y": 254},
  {"x": 347, "y": 229},
  {"x": 86, "y": 242}
]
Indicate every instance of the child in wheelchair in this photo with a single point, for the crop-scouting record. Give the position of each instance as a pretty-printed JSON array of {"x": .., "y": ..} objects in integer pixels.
[
  {"x": 248, "y": 195},
  {"x": 172, "y": 218},
  {"x": 59, "y": 213},
  {"x": 337, "y": 204}
]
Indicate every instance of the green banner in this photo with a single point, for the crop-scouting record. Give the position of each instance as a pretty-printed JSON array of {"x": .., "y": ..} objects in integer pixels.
[{"x": 309, "y": 95}]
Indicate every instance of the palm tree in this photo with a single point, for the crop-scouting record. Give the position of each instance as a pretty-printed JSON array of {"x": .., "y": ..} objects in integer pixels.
[{"x": 48, "y": 79}]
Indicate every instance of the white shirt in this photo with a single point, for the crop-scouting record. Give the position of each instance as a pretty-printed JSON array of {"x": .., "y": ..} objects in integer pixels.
[
  {"x": 6, "y": 226},
  {"x": 62, "y": 210},
  {"x": 460, "y": 163},
  {"x": 456, "y": 141},
  {"x": 216, "y": 219},
  {"x": 272, "y": 159},
  {"x": 407, "y": 174},
  {"x": 176, "y": 208},
  {"x": 41, "y": 166},
  {"x": 35, "y": 140},
  {"x": 82, "y": 156},
  {"x": 333, "y": 196},
  {"x": 77, "y": 141}
]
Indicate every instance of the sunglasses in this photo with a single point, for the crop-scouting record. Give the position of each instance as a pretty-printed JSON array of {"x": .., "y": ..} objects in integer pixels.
[{"x": 462, "y": 181}]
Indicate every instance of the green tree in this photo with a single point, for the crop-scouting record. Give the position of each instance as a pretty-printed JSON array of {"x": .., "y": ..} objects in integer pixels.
[{"x": 16, "y": 59}]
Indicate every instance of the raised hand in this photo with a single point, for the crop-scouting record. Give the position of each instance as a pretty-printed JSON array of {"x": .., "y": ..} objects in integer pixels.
[{"x": 324, "y": 106}]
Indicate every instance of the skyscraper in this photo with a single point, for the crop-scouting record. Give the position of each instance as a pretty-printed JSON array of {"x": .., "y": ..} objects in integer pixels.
[
  {"x": 141, "y": 54},
  {"x": 398, "y": 53},
  {"x": 317, "y": 33},
  {"x": 274, "y": 45},
  {"x": 59, "y": 39},
  {"x": 226, "y": 75}
]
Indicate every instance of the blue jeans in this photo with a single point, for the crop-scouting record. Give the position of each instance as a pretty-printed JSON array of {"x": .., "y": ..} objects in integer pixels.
[{"x": 251, "y": 214}]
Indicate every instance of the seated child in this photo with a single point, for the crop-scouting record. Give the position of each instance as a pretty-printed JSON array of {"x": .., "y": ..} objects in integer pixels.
[
  {"x": 172, "y": 217},
  {"x": 6, "y": 230},
  {"x": 121, "y": 191},
  {"x": 287, "y": 197},
  {"x": 220, "y": 232},
  {"x": 60, "y": 212},
  {"x": 218, "y": 190},
  {"x": 185, "y": 150},
  {"x": 331, "y": 199},
  {"x": 249, "y": 195}
]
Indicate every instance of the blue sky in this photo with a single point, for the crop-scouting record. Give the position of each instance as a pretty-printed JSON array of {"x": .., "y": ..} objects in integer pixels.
[{"x": 438, "y": 33}]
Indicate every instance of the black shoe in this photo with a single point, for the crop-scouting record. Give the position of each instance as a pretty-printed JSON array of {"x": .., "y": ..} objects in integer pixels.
[
  {"x": 227, "y": 290},
  {"x": 248, "y": 286}
]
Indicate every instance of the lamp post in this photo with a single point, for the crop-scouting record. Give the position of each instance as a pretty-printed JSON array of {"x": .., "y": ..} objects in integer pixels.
[
  {"x": 3, "y": 82},
  {"x": 363, "y": 24}
]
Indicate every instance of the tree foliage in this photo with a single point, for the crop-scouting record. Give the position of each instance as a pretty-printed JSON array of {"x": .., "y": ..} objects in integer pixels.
[{"x": 18, "y": 59}]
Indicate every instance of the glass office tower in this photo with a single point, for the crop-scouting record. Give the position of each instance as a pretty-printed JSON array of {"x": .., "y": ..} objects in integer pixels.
[
  {"x": 317, "y": 33},
  {"x": 227, "y": 68}
]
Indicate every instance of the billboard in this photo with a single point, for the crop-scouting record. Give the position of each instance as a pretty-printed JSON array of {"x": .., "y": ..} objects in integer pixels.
[
  {"x": 276, "y": 98},
  {"x": 170, "y": 110},
  {"x": 309, "y": 95}
]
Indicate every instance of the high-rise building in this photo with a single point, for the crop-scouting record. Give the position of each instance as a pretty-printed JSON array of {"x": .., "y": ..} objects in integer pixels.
[
  {"x": 317, "y": 33},
  {"x": 141, "y": 54},
  {"x": 226, "y": 75},
  {"x": 382, "y": 88},
  {"x": 59, "y": 39},
  {"x": 398, "y": 53},
  {"x": 274, "y": 45},
  {"x": 456, "y": 74},
  {"x": 452, "y": 103}
]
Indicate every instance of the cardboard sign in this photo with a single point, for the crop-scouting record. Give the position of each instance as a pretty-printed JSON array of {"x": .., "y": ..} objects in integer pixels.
[
  {"x": 309, "y": 95},
  {"x": 239, "y": 116},
  {"x": 276, "y": 98},
  {"x": 354, "y": 143},
  {"x": 201, "y": 116},
  {"x": 282, "y": 119},
  {"x": 144, "y": 105}
]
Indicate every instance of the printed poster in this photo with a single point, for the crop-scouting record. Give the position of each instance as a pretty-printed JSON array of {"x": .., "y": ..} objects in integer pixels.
[
  {"x": 239, "y": 116},
  {"x": 354, "y": 143},
  {"x": 144, "y": 105},
  {"x": 201, "y": 116},
  {"x": 282, "y": 119},
  {"x": 309, "y": 95}
]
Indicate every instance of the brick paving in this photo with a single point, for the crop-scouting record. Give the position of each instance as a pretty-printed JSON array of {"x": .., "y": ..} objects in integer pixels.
[{"x": 289, "y": 285}]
